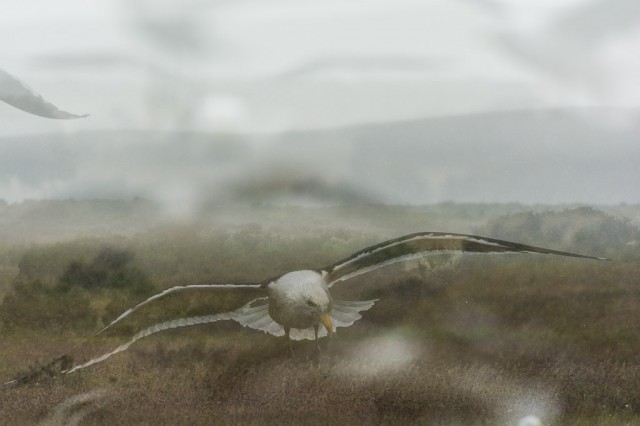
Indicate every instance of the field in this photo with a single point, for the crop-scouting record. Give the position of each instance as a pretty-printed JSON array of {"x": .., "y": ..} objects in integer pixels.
[{"x": 476, "y": 340}]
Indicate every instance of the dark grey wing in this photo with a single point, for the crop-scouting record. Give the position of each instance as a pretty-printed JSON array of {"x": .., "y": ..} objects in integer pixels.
[
  {"x": 423, "y": 244},
  {"x": 18, "y": 95}
]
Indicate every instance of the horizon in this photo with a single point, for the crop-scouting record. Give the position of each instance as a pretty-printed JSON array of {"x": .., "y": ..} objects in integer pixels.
[{"x": 552, "y": 156}]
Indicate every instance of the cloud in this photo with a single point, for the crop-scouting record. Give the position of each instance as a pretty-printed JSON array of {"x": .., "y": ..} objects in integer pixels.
[
  {"x": 361, "y": 66},
  {"x": 569, "y": 43}
]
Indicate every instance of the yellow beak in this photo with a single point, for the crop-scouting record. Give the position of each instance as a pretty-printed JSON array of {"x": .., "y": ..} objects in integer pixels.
[{"x": 325, "y": 320}]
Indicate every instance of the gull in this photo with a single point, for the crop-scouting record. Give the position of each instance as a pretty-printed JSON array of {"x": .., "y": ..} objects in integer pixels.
[{"x": 299, "y": 305}]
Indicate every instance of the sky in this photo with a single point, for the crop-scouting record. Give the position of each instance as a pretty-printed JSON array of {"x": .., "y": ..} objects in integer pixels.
[{"x": 267, "y": 69}]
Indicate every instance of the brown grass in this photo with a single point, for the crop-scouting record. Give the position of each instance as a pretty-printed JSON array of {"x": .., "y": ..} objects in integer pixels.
[
  {"x": 487, "y": 342},
  {"x": 185, "y": 384}
]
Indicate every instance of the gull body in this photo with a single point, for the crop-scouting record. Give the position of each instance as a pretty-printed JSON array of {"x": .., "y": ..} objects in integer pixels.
[{"x": 301, "y": 299}]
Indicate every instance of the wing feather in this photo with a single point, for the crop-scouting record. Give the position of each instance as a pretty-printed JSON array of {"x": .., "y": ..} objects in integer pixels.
[
  {"x": 258, "y": 318},
  {"x": 345, "y": 313},
  {"x": 423, "y": 244}
]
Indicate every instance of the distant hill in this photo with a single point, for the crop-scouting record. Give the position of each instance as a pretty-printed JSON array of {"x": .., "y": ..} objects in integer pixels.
[
  {"x": 62, "y": 220},
  {"x": 532, "y": 157}
]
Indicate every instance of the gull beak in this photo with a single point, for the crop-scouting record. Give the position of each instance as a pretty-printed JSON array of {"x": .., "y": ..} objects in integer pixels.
[{"x": 325, "y": 320}]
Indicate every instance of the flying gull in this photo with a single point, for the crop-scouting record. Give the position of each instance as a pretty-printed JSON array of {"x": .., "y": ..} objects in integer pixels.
[{"x": 298, "y": 304}]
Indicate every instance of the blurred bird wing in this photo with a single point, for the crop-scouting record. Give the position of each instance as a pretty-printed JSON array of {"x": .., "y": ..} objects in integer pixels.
[
  {"x": 422, "y": 244},
  {"x": 18, "y": 95}
]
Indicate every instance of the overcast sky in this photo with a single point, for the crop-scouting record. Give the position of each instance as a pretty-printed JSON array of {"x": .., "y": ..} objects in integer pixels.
[{"x": 271, "y": 67}]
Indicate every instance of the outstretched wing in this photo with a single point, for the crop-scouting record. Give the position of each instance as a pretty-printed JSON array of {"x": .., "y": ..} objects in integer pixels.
[
  {"x": 423, "y": 244},
  {"x": 179, "y": 306},
  {"x": 167, "y": 325},
  {"x": 190, "y": 299}
]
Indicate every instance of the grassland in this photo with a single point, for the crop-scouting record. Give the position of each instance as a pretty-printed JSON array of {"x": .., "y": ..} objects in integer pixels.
[{"x": 484, "y": 340}]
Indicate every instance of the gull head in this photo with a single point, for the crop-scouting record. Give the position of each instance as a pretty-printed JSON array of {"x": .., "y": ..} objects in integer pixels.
[{"x": 320, "y": 307}]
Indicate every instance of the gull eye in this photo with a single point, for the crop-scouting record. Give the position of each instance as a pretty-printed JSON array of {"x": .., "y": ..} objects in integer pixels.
[{"x": 310, "y": 302}]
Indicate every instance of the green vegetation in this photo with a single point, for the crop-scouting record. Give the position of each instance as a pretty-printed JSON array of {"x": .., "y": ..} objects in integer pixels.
[
  {"x": 583, "y": 229},
  {"x": 70, "y": 301},
  {"x": 481, "y": 340},
  {"x": 33, "y": 305}
]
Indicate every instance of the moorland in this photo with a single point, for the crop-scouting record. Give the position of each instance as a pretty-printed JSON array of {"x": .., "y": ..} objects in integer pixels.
[{"x": 465, "y": 340}]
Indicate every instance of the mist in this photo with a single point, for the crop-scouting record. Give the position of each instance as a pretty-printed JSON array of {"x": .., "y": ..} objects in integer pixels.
[{"x": 389, "y": 101}]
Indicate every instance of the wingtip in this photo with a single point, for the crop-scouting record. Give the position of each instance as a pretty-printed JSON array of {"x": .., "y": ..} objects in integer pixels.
[{"x": 606, "y": 259}]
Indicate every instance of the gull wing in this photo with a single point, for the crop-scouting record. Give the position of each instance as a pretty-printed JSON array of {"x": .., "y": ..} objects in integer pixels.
[
  {"x": 17, "y": 94},
  {"x": 167, "y": 325},
  {"x": 179, "y": 306},
  {"x": 424, "y": 244},
  {"x": 190, "y": 299}
]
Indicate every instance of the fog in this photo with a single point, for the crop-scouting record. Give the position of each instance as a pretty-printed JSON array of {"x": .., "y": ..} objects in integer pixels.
[{"x": 395, "y": 102}]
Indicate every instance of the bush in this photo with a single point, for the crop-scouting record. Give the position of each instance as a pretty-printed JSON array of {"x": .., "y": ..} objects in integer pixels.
[
  {"x": 110, "y": 269},
  {"x": 33, "y": 305},
  {"x": 583, "y": 230},
  {"x": 67, "y": 302}
]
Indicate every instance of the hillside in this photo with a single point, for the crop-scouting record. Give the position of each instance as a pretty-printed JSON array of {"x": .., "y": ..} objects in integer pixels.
[{"x": 532, "y": 157}]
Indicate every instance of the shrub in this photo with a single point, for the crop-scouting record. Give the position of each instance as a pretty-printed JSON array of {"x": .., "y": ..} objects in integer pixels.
[
  {"x": 110, "y": 269},
  {"x": 33, "y": 305},
  {"x": 67, "y": 302},
  {"x": 582, "y": 229}
]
